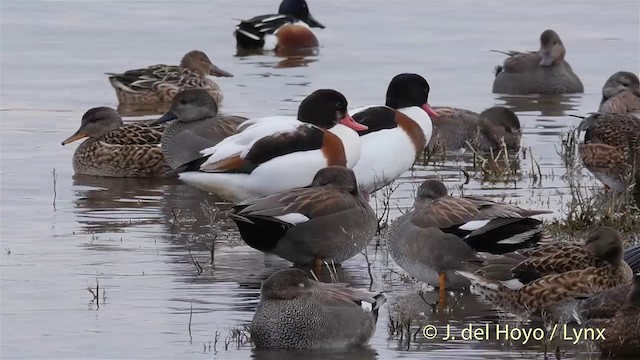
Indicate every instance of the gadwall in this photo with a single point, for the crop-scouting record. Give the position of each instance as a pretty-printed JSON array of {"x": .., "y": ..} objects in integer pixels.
[
  {"x": 442, "y": 232},
  {"x": 158, "y": 84},
  {"x": 538, "y": 72},
  {"x": 610, "y": 144},
  {"x": 327, "y": 221},
  {"x": 455, "y": 129},
  {"x": 290, "y": 149},
  {"x": 397, "y": 132},
  {"x": 553, "y": 274},
  {"x": 621, "y": 94},
  {"x": 197, "y": 127},
  {"x": 296, "y": 312},
  {"x": 257, "y": 32},
  {"x": 115, "y": 149}
]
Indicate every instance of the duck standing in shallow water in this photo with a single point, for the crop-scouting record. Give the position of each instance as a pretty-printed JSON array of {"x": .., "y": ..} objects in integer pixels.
[
  {"x": 610, "y": 148},
  {"x": 296, "y": 312},
  {"x": 279, "y": 153},
  {"x": 621, "y": 94},
  {"x": 158, "y": 84},
  {"x": 327, "y": 221},
  {"x": 455, "y": 129},
  {"x": 396, "y": 134},
  {"x": 197, "y": 125},
  {"x": 442, "y": 232},
  {"x": 554, "y": 274},
  {"x": 538, "y": 72},
  {"x": 286, "y": 26},
  {"x": 115, "y": 149}
]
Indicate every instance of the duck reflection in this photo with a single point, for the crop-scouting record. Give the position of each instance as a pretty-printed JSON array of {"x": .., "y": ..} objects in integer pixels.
[{"x": 547, "y": 105}]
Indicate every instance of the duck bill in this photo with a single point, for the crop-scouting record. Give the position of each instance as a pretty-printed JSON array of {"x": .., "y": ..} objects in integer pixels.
[
  {"x": 312, "y": 22},
  {"x": 77, "y": 136},
  {"x": 348, "y": 121},
  {"x": 547, "y": 59},
  {"x": 429, "y": 110},
  {"x": 164, "y": 118},
  {"x": 216, "y": 71}
]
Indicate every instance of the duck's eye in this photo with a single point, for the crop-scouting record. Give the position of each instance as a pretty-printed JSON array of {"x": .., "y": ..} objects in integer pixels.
[{"x": 183, "y": 102}]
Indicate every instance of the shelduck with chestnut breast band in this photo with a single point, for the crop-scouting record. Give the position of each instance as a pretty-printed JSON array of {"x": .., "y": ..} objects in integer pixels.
[
  {"x": 397, "y": 132},
  {"x": 279, "y": 153}
]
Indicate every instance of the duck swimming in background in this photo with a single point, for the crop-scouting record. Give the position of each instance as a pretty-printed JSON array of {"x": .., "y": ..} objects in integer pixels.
[
  {"x": 621, "y": 94},
  {"x": 197, "y": 126},
  {"x": 286, "y": 26},
  {"x": 538, "y": 72},
  {"x": 279, "y": 153},
  {"x": 158, "y": 84},
  {"x": 327, "y": 221},
  {"x": 456, "y": 129},
  {"x": 396, "y": 134},
  {"x": 117, "y": 150},
  {"x": 296, "y": 312}
]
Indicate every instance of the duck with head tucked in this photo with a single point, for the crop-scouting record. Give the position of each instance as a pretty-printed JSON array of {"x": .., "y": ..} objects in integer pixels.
[
  {"x": 493, "y": 129},
  {"x": 197, "y": 126},
  {"x": 296, "y": 312},
  {"x": 327, "y": 221},
  {"x": 279, "y": 153},
  {"x": 442, "y": 232},
  {"x": 610, "y": 149},
  {"x": 621, "y": 94},
  {"x": 553, "y": 274},
  {"x": 115, "y": 149},
  {"x": 287, "y": 30},
  {"x": 158, "y": 84},
  {"x": 538, "y": 72}
]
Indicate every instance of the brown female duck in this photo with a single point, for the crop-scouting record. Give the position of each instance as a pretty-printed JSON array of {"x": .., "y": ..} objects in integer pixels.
[{"x": 621, "y": 94}]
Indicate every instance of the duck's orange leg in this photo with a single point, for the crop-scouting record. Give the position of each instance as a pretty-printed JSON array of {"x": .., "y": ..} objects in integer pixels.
[{"x": 442, "y": 282}]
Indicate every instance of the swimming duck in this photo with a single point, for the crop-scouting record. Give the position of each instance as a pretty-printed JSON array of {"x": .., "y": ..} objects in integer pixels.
[
  {"x": 610, "y": 143},
  {"x": 279, "y": 153},
  {"x": 397, "y": 132},
  {"x": 115, "y": 149},
  {"x": 621, "y": 94},
  {"x": 442, "y": 232},
  {"x": 538, "y": 72},
  {"x": 198, "y": 125},
  {"x": 286, "y": 26},
  {"x": 158, "y": 84},
  {"x": 455, "y": 129},
  {"x": 296, "y": 312},
  {"x": 327, "y": 221},
  {"x": 557, "y": 273},
  {"x": 621, "y": 334}
]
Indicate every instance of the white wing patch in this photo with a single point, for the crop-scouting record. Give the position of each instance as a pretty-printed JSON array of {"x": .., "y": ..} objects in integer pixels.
[
  {"x": 249, "y": 35},
  {"x": 366, "y": 306},
  {"x": 292, "y": 218},
  {"x": 474, "y": 225},
  {"x": 520, "y": 238}
]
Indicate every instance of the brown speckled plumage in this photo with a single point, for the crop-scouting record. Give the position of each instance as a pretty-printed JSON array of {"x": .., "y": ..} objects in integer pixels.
[
  {"x": 621, "y": 94},
  {"x": 159, "y": 84},
  {"x": 115, "y": 149},
  {"x": 611, "y": 147},
  {"x": 538, "y": 72}
]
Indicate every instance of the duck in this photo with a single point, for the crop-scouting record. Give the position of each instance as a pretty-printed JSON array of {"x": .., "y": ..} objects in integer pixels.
[
  {"x": 554, "y": 274},
  {"x": 197, "y": 125},
  {"x": 114, "y": 149},
  {"x": 621, "y": 94},
  {"x": 396, "y": 133},
  {"x": 296, "y": 312},
  {"x": 621, "y": 331},
  {"x": 538, "y": 72},
  {"x": 327, "y": 221},
  {"x": 291, "y": 27},
  {"x": 158, "y": 84},
  {"x": 491, "y": 130},
  {"x": 443, "y": 233},
  {"x": 289, "y": 149},
  {"x": 608, "y": 146}
]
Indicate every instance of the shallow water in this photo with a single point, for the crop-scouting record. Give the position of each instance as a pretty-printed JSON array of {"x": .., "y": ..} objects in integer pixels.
[{"x": 62, "y": 234}]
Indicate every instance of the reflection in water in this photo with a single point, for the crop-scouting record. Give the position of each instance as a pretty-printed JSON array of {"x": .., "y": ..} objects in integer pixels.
[
  {"x": 358, "y": 353},
  {"x": 290, "y": 58},
  {"x": 547, "y": 105}
]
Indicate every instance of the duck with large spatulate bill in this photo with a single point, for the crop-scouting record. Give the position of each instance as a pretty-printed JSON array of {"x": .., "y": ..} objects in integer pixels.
[
  {"x": 280, "y": 153},
  {"x": 397, "y": 132},
  {"x": 327, "y": 221}
]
